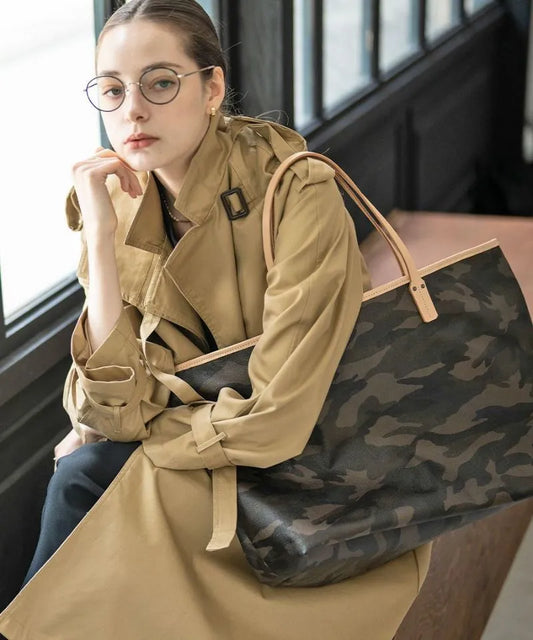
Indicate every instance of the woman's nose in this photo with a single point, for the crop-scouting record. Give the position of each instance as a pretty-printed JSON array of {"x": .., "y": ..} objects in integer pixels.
[{"x": 135, "y": 104}]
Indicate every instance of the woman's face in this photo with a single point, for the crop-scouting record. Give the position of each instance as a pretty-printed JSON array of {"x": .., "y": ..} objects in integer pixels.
[{"x": 176, "y": 128}]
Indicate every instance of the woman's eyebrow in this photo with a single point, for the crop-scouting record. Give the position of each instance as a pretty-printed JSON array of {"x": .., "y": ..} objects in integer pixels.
[{"x": 161, "y": 63}]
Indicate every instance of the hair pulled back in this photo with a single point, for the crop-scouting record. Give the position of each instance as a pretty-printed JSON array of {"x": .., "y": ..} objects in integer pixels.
[{"x": 186, "y": 16}]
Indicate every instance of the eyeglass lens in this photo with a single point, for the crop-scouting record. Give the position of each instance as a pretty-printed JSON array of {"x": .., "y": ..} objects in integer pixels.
[{"x": 158, "y": 85}]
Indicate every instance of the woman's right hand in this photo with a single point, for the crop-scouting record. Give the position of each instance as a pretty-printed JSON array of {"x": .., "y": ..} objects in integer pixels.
[
  {"x": 70, "y": 443},
  {"x": 73, "y": 441},
  {"x": 89, "y": 176}
]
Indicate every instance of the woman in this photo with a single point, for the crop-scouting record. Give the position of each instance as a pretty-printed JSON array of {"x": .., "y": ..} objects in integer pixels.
[{"x": 173, "y": 268}]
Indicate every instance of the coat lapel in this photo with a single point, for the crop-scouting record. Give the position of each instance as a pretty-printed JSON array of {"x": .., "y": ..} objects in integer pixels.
[
  {"x": 182, "y": 289},
  {"x": 202, "y": 266}
]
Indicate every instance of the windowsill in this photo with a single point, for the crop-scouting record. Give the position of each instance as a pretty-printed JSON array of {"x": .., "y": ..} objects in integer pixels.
[{"x": 35, "y": 357}]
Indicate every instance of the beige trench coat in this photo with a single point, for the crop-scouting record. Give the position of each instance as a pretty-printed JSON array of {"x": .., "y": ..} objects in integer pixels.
[{"x": 136, "y": 567}]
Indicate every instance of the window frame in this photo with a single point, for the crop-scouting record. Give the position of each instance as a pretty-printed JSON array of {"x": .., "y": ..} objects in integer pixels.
[{"x": 378, "y": 78}]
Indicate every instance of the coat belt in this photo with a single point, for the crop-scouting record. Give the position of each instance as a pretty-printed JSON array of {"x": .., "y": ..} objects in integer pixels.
[{"x": 224, "y": 474}]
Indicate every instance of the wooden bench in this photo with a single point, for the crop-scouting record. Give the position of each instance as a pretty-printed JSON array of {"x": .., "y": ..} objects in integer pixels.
[{"x": 468, "y": 566}]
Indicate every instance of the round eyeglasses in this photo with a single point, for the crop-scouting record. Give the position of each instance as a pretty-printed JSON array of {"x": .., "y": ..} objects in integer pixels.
[{"x": 159, "y": 85}]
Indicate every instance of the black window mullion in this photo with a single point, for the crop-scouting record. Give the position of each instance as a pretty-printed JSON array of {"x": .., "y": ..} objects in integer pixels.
[
  {"x": 288, "y": 60},
  {"x": 229, "y": 36},
  {"x": 318, "y": 58},
  {"x": 376, "y": 37},
  {"x": 422, "y": 43},
  {"x": 457, "y": 8},
  {"x": 463, "y": 16},
  {"x": 102, "y": 10}
]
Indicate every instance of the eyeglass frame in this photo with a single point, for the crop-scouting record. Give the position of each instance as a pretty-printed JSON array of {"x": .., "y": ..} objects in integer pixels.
[{"x": 179, "y": 76}]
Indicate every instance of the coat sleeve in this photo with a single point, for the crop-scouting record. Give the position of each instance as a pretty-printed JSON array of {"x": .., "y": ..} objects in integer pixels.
[
  {"x": 313, "y": 296},
  {"x": 108, "y": 392},
  {"x": 115, "y": 400}
]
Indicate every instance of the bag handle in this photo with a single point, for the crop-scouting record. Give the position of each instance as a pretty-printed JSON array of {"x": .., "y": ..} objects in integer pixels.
[{"x": 417, "y": 286}]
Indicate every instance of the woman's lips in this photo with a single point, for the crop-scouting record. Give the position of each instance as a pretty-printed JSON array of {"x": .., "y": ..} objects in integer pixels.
[{"x": 141, "y": 143}]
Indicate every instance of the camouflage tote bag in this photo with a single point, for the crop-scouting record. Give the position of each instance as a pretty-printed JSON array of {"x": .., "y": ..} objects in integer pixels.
[{"x": 427, "y": 426}]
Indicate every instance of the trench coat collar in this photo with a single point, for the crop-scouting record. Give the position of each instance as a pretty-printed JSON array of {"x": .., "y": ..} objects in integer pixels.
[
  {"x": 195, "y": 199},
  {"x": 205, "y": 177}
]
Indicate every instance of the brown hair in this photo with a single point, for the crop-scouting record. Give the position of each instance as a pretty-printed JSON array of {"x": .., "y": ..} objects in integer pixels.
[{"x": 185, "y": 16}]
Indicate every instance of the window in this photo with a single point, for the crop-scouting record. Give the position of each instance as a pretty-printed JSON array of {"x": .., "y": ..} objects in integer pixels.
[
  {"x": 212, "y": 8},
  {"x": 46, "y": 57},
  {"x": 46, "y": 54},
  {"x": 471, "y": 6},
  {"x": 399, "y": 31},
  {"x": 346, "y": 57},
  {"x": 343, "y": 50},
  {"x": 332, "y": 54},
  {"x": 441, "y": 15},
  {"x": 303, "y": 62}
]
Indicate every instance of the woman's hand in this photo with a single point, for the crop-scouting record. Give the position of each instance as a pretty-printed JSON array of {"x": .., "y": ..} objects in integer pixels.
[
  {"x": 70, "y": 443},
  {"x": 73, "y": 441},
  {"x": 89, "y": 176}
]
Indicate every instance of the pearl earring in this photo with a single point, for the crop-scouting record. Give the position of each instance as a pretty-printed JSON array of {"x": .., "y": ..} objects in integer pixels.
[{"x": 213, "y": 111}]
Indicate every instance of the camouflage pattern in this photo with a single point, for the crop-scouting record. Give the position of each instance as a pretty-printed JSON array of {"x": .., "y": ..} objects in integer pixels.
[{"x": 426, "y": 427}]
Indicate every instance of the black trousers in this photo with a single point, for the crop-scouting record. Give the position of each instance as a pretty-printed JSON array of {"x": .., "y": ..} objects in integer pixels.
[{"x": 80, "y": 479}]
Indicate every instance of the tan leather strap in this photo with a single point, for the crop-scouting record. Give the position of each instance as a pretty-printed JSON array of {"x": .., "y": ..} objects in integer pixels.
[{"x": 417, "y": 286}]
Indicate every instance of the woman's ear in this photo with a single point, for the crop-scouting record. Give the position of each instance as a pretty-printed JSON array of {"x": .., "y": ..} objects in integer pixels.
[{"x": 216, "y": 89}]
